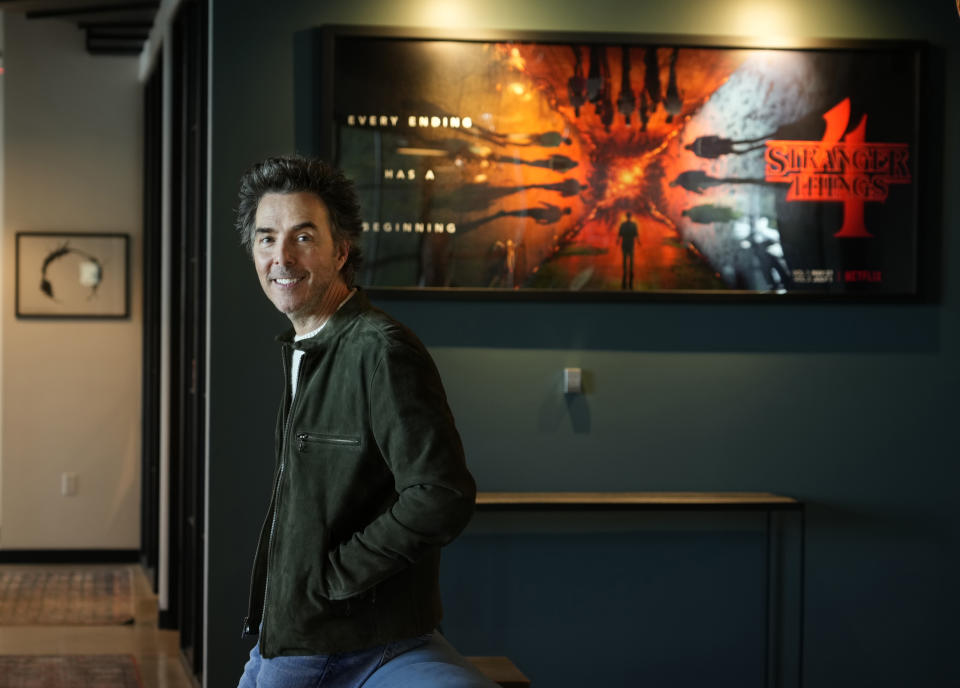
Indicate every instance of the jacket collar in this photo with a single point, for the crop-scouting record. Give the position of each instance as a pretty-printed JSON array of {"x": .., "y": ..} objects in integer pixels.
[{"x": 335, "y": 326}]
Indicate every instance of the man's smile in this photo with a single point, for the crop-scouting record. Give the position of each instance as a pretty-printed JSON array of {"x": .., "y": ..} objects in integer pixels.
[{"x": 286, "y": 281}]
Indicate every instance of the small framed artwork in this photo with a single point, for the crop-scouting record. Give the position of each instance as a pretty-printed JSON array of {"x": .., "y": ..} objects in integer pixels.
[
  {"x": 72, "y": 275},
  {"x": 609, "y": 165}
]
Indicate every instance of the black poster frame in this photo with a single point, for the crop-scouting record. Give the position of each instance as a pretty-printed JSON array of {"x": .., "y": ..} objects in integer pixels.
[{"x": 320, "y": 114}]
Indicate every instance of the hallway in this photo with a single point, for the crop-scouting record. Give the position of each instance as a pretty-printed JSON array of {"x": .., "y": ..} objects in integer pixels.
[{"x": 156, "y": 651}]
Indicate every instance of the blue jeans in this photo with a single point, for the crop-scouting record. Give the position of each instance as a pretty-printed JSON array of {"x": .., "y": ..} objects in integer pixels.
[{"x": 428, "y": 661}]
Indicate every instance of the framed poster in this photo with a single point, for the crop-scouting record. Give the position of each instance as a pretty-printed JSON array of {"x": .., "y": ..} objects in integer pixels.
[
  {"x": 602, "y": 165},
  {"x": 72, "y": 275}
]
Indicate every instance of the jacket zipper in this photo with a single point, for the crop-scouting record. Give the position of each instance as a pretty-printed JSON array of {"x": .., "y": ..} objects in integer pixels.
[
  {"x": 247, "y": 627},
  {"x": 304, "y": 437},
  {"x": 276, "y": 506}
]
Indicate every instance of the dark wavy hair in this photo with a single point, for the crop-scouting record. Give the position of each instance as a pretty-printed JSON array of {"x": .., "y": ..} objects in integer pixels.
[{"x": 295, "y": 173}]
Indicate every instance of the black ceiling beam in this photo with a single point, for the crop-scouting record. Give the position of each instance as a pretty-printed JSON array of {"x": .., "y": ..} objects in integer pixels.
[
  {"x": 95, "y": 25},
  {"x": 98, "y": 47},
  {"x": 127, "y": 52},
  {"x": 119, "y": 30},
  {"x": 93, "y": 9},
  {"x": 140, "y": 36}
]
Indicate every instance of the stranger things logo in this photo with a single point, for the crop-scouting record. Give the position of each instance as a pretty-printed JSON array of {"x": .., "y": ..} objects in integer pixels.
[{"x": 840, "y": 168}]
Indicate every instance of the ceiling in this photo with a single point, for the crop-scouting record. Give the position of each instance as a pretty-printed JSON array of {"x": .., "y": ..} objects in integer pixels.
[{"x": 112, "y": 27}]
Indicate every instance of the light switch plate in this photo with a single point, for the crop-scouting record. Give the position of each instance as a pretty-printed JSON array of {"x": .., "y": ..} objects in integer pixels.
[
  {"x": 572, "y": 381},
  {"x": 68, "y": 484}
]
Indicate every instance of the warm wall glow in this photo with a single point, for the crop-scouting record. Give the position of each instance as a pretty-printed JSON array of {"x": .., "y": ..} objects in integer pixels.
[
  {"x": 443, "y": 14},
  {"x": 771, "y": 23}
]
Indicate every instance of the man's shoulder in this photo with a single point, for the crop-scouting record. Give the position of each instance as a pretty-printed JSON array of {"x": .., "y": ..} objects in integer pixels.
[{"x": 382, "y": 331}]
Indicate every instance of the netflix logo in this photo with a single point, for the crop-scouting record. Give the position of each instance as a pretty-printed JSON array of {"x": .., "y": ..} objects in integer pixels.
[{"x": 862, "y": 276}]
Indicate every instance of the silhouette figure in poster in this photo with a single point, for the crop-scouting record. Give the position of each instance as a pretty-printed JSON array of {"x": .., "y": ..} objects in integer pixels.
[
  {"x": 651, "y": 77},
  {"x": 546, "y": 214},
  {"x": 627, "y": 238},
  {"x": 546, "y": 139},
  {"x": 566, "y": 188},
  {"x": 480, "y": 196},
  {"x": 712, "y": 147},
  {"x": 644, "y": 111},
  {"x": 596, "y": 84},
  {"x": 673, "y": 104},
  {"x": 697, "y": 181},
  {"x": 506, "y": 264},
  {"x": 626, "y": 101},
  {"x": 577, "y": 84},
  {"x": 557, "y": 163},
  {"x": 708, "y": 214}
]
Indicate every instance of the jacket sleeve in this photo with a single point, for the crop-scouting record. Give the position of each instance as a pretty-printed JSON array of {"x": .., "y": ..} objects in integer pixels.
[{"x": 415, "y": 432}]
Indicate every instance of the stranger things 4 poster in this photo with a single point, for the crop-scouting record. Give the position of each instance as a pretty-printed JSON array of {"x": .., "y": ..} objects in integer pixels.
[{"x": 599, "y": 167}]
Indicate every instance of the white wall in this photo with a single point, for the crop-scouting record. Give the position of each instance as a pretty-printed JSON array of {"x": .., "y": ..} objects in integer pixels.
[
  {"x": 2, "y": 81},
  {"x": 70, "y": 389}
]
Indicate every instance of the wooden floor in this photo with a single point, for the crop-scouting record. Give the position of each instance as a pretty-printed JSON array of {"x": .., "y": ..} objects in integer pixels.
[{"x": 157, "y": 651}]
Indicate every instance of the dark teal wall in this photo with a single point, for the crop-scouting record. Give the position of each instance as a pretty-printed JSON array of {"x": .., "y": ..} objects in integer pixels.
[{"x": 851, "y": 408}]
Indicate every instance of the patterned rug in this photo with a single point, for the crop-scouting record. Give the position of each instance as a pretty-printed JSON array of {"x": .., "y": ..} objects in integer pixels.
[
  {"x": 69, "y": 671},
  {"x": 66, "y": 597}
]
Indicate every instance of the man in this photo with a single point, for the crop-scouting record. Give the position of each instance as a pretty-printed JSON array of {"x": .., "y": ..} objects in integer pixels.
[
  {"x": 370, "y": 478},
  {"x": 626, "y": 238}
]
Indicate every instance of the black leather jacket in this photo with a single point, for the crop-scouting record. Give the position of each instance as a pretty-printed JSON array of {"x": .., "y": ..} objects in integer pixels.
[{"x": 370, "y": 482}]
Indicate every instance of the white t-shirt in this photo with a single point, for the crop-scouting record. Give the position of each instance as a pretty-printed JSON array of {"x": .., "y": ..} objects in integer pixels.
[
  {"x": 298, "y": 353},
  {"x": 297, "y": 356}
]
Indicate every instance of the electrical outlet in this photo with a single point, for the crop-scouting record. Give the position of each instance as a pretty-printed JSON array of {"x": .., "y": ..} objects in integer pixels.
[{"x": 68, "y": 484}]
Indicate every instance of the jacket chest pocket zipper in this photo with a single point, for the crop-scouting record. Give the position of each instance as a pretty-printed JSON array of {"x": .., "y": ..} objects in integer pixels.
[{"x": 305, "y": 440}]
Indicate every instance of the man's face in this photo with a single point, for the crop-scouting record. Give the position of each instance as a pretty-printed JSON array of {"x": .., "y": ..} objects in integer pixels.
[{"x": 296, "y": 258}]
